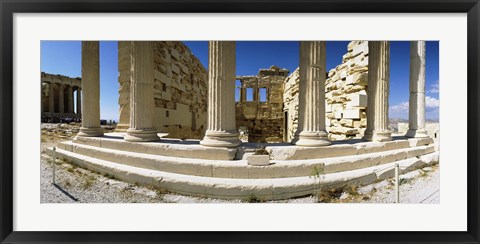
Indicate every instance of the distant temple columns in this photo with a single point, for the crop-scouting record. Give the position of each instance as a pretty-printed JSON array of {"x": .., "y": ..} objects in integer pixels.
[
  {"x": 141, "y": 93},
  {"x": 56, "y": 98},
  {"x": 311, "y": 108},
  {"x": 221, "y": 129},
  {"x": 378, "y": 91},
  {"x": 416, "y": 114},
  {"x": 51, "y": 99},
  {"x": 61, "y": 101},
  {"x": 91, "y": 88}
]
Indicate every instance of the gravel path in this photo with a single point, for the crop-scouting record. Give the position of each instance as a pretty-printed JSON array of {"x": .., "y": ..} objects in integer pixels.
[{"x": 420, "y": 186}]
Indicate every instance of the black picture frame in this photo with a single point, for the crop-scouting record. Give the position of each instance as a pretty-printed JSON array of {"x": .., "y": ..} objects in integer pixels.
[{"x": 9, "y": 7}]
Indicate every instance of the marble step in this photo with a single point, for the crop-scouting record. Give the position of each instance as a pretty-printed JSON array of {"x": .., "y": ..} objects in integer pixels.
[
  {"x": 227, "y": 188},
  {"x": 239, "y": 168},
  {"x": 278, "y": 151}
]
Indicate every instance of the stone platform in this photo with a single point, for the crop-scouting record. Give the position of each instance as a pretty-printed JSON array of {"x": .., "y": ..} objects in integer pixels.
[{"x": 188, "y": 168}]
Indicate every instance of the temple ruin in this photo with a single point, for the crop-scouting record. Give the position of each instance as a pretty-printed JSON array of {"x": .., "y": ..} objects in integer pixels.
[
  {"x": 165, "y": 90},
  {"x": 260, "y": 114},
  {"x": 58, "y": 95}
]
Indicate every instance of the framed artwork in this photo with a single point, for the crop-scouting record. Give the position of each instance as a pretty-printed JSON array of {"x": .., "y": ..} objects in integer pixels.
[{"x": 304, "y": 153}]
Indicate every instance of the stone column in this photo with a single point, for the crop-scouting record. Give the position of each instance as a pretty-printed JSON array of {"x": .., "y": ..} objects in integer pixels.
[
  {"x": 311, "y": 107},
  {"x": 91, "y": 89},
  {"x": 141, "y": 93},
  {"x": 377, "y": 91},
  {"x": 221, "y": 128},
  {"x": 79, "y": 101},
  {"x": 69, "y": 99},
  {"x": 124, "y": 76},
  {"x": 51, "y": 99},
  {"x": 416, "y": 111},
  {"x": 61, "y": 101}
]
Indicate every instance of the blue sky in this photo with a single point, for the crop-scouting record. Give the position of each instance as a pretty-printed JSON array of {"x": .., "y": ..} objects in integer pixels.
[{"x": 64, "y": 57}]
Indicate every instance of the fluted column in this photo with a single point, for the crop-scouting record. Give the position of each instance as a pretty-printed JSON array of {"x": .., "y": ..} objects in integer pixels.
[
  {"x": 311, "y": 107},
  {"x": 416, "y": 112},
  {"x": 51, "y": 99},
  {"x": 61, "y": 101},
  {"x": 141, "y": 93},
  {"x": 91, "y": 89},
  {"x": 378, "y": 90},
  {"x": 221, "y": 128},
  {"x": 79, "y": 101}
]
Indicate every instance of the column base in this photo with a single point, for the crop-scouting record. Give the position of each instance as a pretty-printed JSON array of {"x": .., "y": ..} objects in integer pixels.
[
  {"x": 377, "y": 136},
  {"x": 90, "y": 132},
  {"x": 122, "y": 127},
  {"x": 311, "y": 139},
  {"x": 220, "y": 139},
  {"x": 382, "y": 136},
  {"x": 417, "y": 133},
  {"x": 143, "y": 135},
  {"x": 367, "y": 136}
]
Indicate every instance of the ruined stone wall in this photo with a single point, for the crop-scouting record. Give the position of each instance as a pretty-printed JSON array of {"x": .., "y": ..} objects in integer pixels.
[
  {"x": 263, "y": 120},
  {"x": 180, "y": 90},
  {"x": 290, "y": 101},
  {"x": 346, "y": 96}
]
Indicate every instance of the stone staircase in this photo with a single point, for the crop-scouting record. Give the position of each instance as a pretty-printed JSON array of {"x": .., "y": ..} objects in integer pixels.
[{"x": 182, "y": 167}]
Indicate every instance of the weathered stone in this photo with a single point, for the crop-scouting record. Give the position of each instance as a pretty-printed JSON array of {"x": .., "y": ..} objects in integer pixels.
[
  {"x": 357, "y": 100},
  {"x": 175, "y": 69},
  {"x": 342, "y": 130},
  {"x": 258, "y": 160},
  {"x": 170, "y": 89},
  {"x": 353, "y": 113},
  {"x": 346, "y": 122}
]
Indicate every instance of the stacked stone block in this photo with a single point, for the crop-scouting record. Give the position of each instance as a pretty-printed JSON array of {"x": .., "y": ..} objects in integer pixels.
[
  {"x": 346, "y": 94},
  {"x": 180, "y": 90},
  {"x": 290, "y": 102}
]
